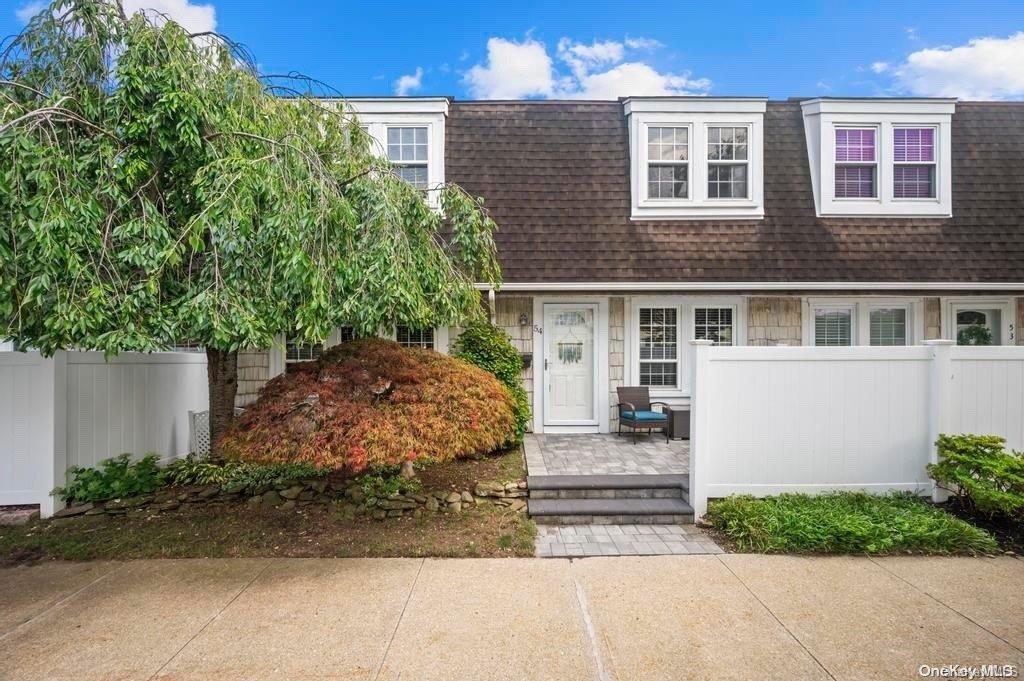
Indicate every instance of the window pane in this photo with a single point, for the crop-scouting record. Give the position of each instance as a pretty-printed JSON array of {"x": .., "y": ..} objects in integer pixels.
[
  {"x": 889, "y": 326},
  {"x": 833, "y": 327},
  {"x": 913, "y": 182},
  {"x": 855, "y": 182},
  {"x": 911, "y": 145},
  {"x": 298, "y": 351},
  {"x": 346, "y": 333},
  {"x": 727, "y": 181},
  {"x": 414, "y": 175},
  {"x": 713, "y": 324},
  {"x": 855, "y": 144},
  {"x": 668, "y": 182},
  {"x": 668, "y": 144},
  {"x": 659, "y": 342},
  {"x": 407, "y": 144},
  {"x": 727, "y": 144},
  {"x": 414, "y": 338}
]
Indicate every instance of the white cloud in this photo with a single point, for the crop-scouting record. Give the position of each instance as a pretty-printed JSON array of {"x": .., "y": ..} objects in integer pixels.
[
  {"x": 26, "y": 12},
  {"x": 513, "y": 70},
  {"x": 880, "y": 66},
  {"x": 595, "y": 70},
  {"x": 193, "y": 18},
  {"x": 984, "y": 68},
  {"x": 409, "y": 83},
  {"x": 636, "y": 79}
]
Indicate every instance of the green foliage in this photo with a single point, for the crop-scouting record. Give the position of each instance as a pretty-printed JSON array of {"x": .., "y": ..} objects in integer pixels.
[
  {"x": 372, "y": 403},
  {"x": 153, "y": 187},
  {"x": 114, "y": 478},
  {"x": 844, "y": 522},
  {"x": 385, "y": 482},
  {"x": 236, "y": 475},
  {"x": 976, "y": 334},
  {"x": 490, "y": 348},
  {"x": 981, "y": 473}
]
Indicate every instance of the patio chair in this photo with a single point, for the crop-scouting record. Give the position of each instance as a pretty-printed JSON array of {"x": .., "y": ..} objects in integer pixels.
[{"x": 635, "y": 411}]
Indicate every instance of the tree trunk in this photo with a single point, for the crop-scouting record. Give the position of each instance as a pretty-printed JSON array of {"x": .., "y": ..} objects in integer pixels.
[{"x": 222, "y": 379}]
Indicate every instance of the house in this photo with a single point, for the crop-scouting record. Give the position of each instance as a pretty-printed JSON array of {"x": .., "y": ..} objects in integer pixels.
[{"x": 630, "y": 227}]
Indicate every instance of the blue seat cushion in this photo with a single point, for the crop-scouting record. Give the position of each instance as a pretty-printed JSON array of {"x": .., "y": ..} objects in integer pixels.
[{"x": 644, "y": 415}]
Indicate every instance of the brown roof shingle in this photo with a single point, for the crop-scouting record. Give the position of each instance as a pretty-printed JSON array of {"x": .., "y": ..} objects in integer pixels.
[{"x": 555, "y": 176}]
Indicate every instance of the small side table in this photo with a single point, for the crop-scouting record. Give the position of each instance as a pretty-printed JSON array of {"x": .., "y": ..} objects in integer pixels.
[{"x": 678, "y": 423}]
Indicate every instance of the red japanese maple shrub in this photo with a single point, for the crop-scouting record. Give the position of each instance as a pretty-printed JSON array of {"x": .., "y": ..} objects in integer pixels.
[{"x": 371, "y": 403}]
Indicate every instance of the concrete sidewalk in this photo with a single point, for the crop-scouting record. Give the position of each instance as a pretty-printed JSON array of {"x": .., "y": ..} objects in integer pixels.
[{"x": 671, "y": 617}]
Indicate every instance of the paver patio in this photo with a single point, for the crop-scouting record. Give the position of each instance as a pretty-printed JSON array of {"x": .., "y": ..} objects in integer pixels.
[
  {"x": 605, "y": 454},
  {"x": 671, "y": 617}
]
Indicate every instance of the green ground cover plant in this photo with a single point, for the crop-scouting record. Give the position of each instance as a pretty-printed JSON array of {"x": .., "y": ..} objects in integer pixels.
[{"x": 844, "y": 523}]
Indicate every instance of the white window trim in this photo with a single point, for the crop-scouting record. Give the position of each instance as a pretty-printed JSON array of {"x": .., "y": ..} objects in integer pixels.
[
  {"x": 823, "y": 116},
  {"x": 698, "y": 117},
  {"x": 861, "y": 319},
  {"x": 685, "y": 306},
  {"x": 934, "y": 163},
  {"x": 377, "y": 116},
  {"x": 1007, "y": 312},
  {"x": 876, "y": 163}
]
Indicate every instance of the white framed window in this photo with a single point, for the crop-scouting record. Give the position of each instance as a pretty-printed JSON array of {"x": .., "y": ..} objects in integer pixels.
[
  {"x": 696, "y": 158},
  {"x": 914, "y": 162},
  {"x": 880, "y": 157},
  {"x": 410, "y": 337},
  {"x": 297, "y": 351},
  {"x": 979, "y": 321},
  {"x": 728, "y": 161},
  {"x": 856, "y": 163},
  {"x": 658, "y": 346},
  {"x": 408, "y": 150},
  {"x": 668, "y": 162},
  {"x": 841, "y": 322},
  {"x": 658, "y": 334},
  {"x": 409, "y": 133},
  {"x": 716, "y": 324}
]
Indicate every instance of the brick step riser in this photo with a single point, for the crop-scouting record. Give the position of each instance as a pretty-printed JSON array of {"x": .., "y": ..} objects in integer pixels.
[
  {"x": 650, "y": 493},
  {"x": 613, "y": 519}
]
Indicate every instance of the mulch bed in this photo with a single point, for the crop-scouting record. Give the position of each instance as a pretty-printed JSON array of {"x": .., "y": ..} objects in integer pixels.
[{"x": 1009, "y": 533}]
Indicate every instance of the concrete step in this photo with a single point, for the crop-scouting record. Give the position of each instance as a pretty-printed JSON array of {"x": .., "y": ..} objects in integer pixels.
[
  {"x": 608, "y": 486},
  {"x": 629, "y": 511}
]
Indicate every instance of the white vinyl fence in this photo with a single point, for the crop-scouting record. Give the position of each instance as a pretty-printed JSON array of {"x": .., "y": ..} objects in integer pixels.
[
  {"x": 75, "y": 409},
  {"x": 768, "y": 420}
]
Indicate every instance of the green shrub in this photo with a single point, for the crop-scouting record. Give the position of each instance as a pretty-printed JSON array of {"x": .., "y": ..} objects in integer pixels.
[
  {"x": 981, "y": 473},
  {"x": 975, "y": 334},
  {"x": 844, "y": 522},
  {"x": 383, "y": 483},
  {"x": 490, "y": 348},
  {"x": 371, "y": 403},
  {"x": 114, "y": 478},
  {"x": 193, "y": 470}
]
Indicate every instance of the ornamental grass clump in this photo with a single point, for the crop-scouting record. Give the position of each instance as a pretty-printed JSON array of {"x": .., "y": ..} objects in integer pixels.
[
  {"x": 372, "y": 403},
  {"x": 845, "y": 523}
]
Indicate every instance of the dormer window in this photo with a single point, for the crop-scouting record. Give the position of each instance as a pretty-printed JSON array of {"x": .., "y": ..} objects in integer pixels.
[
  {"x": 668, "y": 163},
  {"x": 913, "y": 172},
  {"x": 696, "y": 158},
  {"x": 880, "y": 157},
  {"x": 408, "y": 150},
  {"x": 856, "y": 163}
]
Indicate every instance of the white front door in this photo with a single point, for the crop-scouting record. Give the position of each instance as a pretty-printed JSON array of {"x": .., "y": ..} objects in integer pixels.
[{"x": 569, "y": 364}]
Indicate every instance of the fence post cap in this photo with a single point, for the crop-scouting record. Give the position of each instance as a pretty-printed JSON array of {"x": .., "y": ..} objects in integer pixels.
[
  {"x": 939, "y": 341},
  {"x": 701, "y": 341}
]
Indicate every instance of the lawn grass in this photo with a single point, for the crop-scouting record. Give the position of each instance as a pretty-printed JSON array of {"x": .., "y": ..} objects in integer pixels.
[{"x": 844, "y": 523}]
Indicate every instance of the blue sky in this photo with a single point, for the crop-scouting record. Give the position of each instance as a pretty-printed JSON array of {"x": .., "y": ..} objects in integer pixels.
[{"x": 593, "y": 49}]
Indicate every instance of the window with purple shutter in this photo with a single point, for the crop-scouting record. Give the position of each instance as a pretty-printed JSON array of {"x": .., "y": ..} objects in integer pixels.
[
  {"x": 855, "y": 169},
  {"x": 913, "y": 156}
]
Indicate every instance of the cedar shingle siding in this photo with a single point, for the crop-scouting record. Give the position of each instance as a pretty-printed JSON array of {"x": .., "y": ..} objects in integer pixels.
[{"x": 556, "y": 179}]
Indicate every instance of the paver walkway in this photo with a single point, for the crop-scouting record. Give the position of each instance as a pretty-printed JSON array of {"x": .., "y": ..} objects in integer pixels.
[
  {"x": 605, "y": 454},
  {"x": 574, "y": 541},
  {"x": 606, "y": 619}
]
